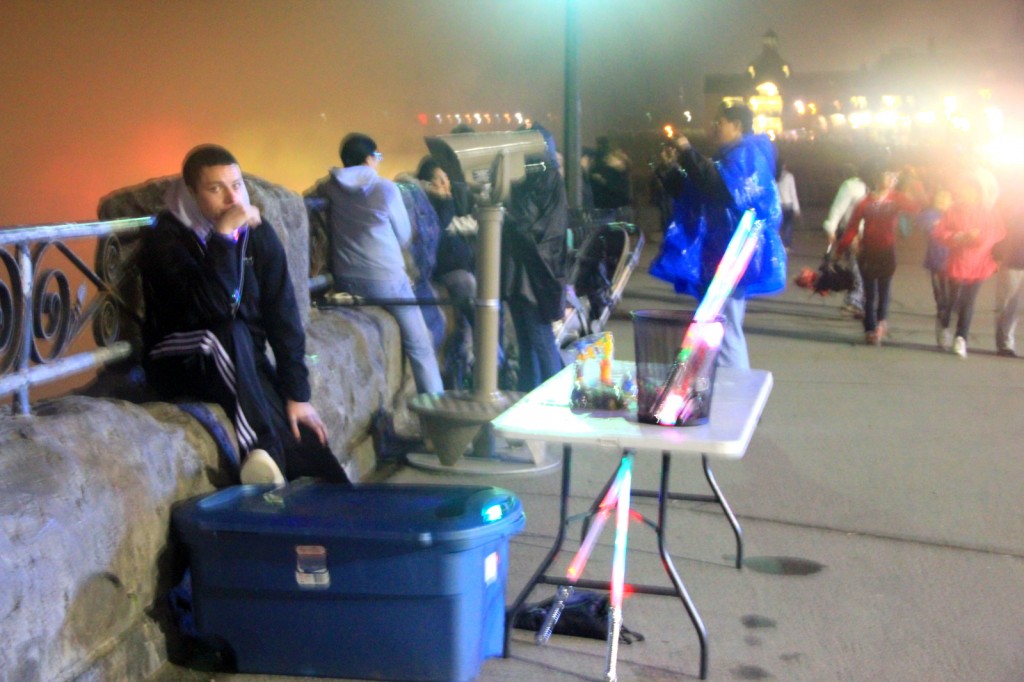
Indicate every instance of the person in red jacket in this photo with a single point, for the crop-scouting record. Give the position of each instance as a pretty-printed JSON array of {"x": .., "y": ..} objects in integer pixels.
[
  {"x": 880, "y": 212},
  {"x": 969, "y": 229}
]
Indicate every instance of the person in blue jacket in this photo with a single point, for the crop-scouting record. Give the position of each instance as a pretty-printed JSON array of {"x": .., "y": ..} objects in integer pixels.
[{"x": 709, "y": 197}]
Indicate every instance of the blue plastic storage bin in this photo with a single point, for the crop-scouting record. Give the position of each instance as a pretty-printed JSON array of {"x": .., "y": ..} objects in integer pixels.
[{"x": 381, "y": 582}]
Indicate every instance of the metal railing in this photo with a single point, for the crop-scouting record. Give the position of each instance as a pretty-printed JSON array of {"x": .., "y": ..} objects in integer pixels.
[{"x": 39, "y": 316}]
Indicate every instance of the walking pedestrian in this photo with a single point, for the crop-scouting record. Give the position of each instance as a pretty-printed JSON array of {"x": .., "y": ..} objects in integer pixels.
[
  {"x": 1009, "y": 281},
  {"x": 790, "y": 204},
  {"x": 970, "y": 228},
  {"x": 880, "y": 213},
  {"x": 935, "y": 257},
  {"x": 850, "y": 193}
]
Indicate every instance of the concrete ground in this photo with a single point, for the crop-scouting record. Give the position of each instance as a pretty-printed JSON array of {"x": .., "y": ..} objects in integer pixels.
[{"x": 879, "y": 500}]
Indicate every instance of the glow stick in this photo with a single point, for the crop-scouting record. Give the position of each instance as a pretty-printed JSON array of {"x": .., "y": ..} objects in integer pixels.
[
  {"x": 621, "y": 527},
  {"x": 604, "y": 509},
  {"x": 730, "y": 268},
  {"x": 675, "y": 401},
  {"x": 579, "y": 560},
  {"x": 619, "y": 567}
]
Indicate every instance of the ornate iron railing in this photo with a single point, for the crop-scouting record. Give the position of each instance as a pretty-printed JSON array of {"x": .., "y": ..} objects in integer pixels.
[{"x": 39, "y": 315}]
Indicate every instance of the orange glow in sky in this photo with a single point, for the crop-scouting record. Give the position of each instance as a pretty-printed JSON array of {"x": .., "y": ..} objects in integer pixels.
[{"x": 99, "y": 95}]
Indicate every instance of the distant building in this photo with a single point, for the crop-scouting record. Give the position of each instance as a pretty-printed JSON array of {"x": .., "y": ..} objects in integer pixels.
[{"x": 905, "y": 99}]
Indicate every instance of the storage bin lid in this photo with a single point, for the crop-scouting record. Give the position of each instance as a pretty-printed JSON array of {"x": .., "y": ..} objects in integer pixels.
[{"x": 423, "y": 515}]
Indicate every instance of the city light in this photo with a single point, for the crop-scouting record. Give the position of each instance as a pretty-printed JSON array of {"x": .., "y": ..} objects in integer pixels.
[
  {"x": 995, "y": 119},
  {"x": 1005, "y": 150},
  {"x": 860, "y": 119},
  {"x": 886, "y": 118}
]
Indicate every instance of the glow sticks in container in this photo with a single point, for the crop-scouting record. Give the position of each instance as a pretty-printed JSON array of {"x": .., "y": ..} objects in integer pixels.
[{"x": 675, "y": 401}]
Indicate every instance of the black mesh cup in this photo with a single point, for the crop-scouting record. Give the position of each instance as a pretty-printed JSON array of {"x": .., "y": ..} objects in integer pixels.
[{"x": 658, "y": 337}]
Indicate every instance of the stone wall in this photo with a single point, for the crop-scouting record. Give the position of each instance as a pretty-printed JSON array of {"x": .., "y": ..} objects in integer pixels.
[{"x": 87, "y": 482}]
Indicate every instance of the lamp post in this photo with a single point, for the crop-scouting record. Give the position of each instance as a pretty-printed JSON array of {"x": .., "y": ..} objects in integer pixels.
[{"x": 573, "y": 181}]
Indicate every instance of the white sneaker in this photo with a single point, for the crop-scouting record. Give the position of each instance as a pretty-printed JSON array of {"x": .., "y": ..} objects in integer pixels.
[
  {"x": 260, "y": 468},
  {"x": 960, "y": 346},
  {"x": 943, "y": 336}
]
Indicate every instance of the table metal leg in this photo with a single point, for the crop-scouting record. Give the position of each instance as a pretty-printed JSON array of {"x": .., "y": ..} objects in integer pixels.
[
  {"x": 622, "y": 507},
  {"x": 718, "y": 498},
  {"x": 666, "y": 560},
  {"x": 535, "y": 579},
  {"x": 724, "y": 504}
]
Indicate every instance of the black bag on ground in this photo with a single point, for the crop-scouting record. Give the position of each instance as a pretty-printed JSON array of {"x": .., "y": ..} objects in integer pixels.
[{"x": 585, "y": 615}]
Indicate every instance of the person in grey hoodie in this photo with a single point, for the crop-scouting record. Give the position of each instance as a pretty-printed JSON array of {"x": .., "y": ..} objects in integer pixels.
[{"x": 369, "y": 227}]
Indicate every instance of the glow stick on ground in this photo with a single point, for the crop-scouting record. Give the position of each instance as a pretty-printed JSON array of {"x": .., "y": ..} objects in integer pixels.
[
  {"x": 619, "y": 567},
  {"x": 675, "y": 400},
  {"x": 579, "y": 560}
]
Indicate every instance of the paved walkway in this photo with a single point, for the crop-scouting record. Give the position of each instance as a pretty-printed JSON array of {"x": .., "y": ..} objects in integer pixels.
[{"x": 879, "y": 500}]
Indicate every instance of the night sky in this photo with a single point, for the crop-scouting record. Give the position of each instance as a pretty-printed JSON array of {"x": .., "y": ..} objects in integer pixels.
[{"x": 98, "y": 95}]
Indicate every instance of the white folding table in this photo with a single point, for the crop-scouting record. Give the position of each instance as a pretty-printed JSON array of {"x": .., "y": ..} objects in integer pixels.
[{"x": 545, "y": 416}]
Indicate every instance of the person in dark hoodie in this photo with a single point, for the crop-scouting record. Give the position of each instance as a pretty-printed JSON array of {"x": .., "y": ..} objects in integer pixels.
[
  {"x": 456, "y": 262},
  {"x": 533, "y": 267},
  {"x": 217, "y": 291},
  {"x": 369, "y": 226}
]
